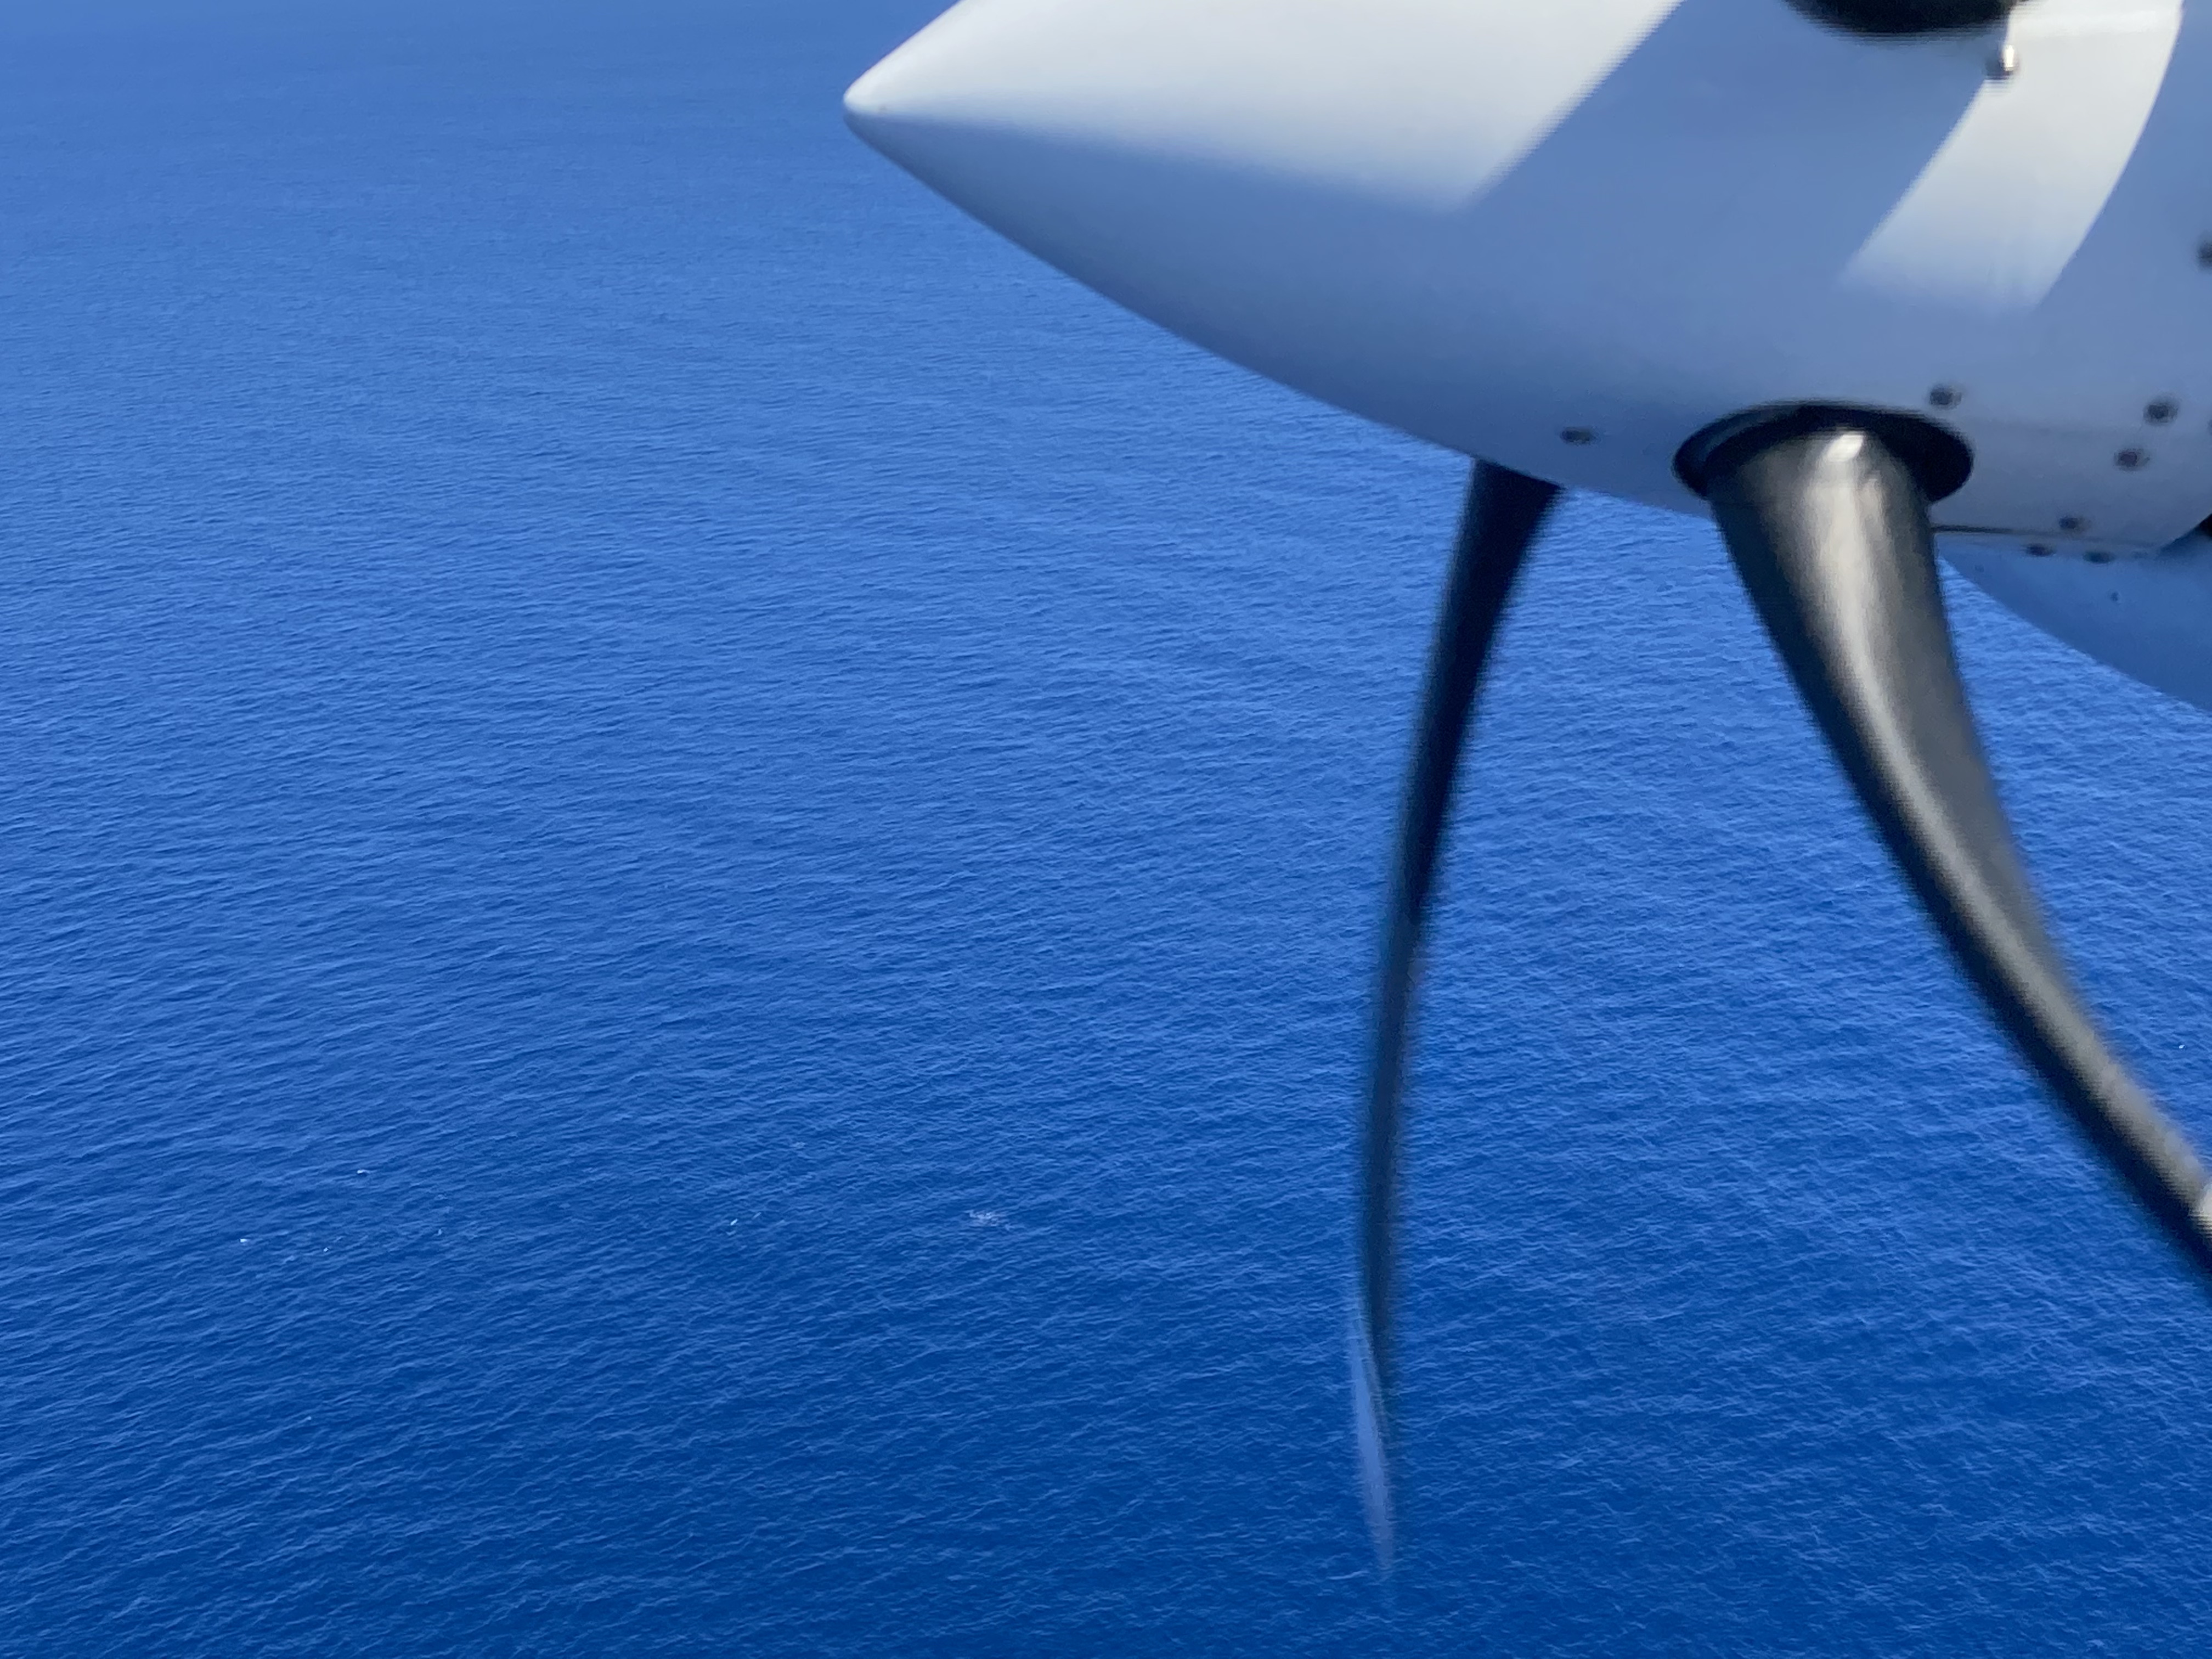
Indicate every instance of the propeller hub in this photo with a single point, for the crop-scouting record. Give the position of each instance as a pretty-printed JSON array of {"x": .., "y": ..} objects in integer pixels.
[{"x": 1938, "y": 460}]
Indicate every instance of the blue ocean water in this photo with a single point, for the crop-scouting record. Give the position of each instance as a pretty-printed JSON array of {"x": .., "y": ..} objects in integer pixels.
[{"x": 686, "y": 873}]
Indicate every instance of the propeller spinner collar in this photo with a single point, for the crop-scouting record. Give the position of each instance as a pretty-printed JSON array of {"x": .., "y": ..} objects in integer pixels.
[{"x": 1939, "y": 461}]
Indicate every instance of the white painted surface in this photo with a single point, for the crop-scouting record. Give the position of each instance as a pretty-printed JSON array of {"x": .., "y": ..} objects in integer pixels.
[
  {"x": 1486, "y": 222},
  {"x": 1378, "y": 97},
  {"x": 1992, "y": 222},
  {"x": 2149, "y": 616},
  {"x": 1489, "y": 222}
]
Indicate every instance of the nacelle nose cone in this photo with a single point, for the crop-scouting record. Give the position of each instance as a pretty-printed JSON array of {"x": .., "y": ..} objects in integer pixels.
[
  {"x": 1284, "y": 182},
  {"x": 965, "y": 74},
  {"x": 875, "y": 102},
  {"x": 1566, "y": 234}
]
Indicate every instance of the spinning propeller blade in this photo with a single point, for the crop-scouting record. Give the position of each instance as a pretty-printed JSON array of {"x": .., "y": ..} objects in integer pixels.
[
  {"x": 1829, "y": 528},
  {"x": 1503, "y": 511}
]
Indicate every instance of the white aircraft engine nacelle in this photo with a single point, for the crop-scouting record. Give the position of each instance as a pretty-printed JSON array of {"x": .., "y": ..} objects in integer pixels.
[
  {"x": 1568, "y": 235},
  {"x": 1867, "y": 272}
]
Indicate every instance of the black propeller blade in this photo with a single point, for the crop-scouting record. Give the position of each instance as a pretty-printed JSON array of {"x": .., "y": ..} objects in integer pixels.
[
  {"x": 1829, "y": 529},
  {"x": 1503, "y": 511},
  {"x": 1826, "y": 515}
]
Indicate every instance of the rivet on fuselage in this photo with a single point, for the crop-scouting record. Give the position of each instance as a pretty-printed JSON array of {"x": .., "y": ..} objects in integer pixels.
[
  {"x": 2073, "y": 525},
  {"x": 2099, "y": 557},
  {"x": 2159, "y": 410},
  {"x": 1578, "y": 434},
  {"x": 2204, "y": 253},
  {"x": 2131, "y": 460},
  {"x": 2038, "y": 550},
  {"x": 1947, "y": 397}
]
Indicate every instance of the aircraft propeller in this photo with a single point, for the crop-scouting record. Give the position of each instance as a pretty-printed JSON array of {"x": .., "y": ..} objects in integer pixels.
[
  {"x": 1825, "y": 513},
  {"x": 1566, "y": 236}
]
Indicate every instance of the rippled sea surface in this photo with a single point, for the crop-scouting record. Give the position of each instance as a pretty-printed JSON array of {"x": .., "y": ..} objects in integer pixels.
[{"x": 686, "y": 865}]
